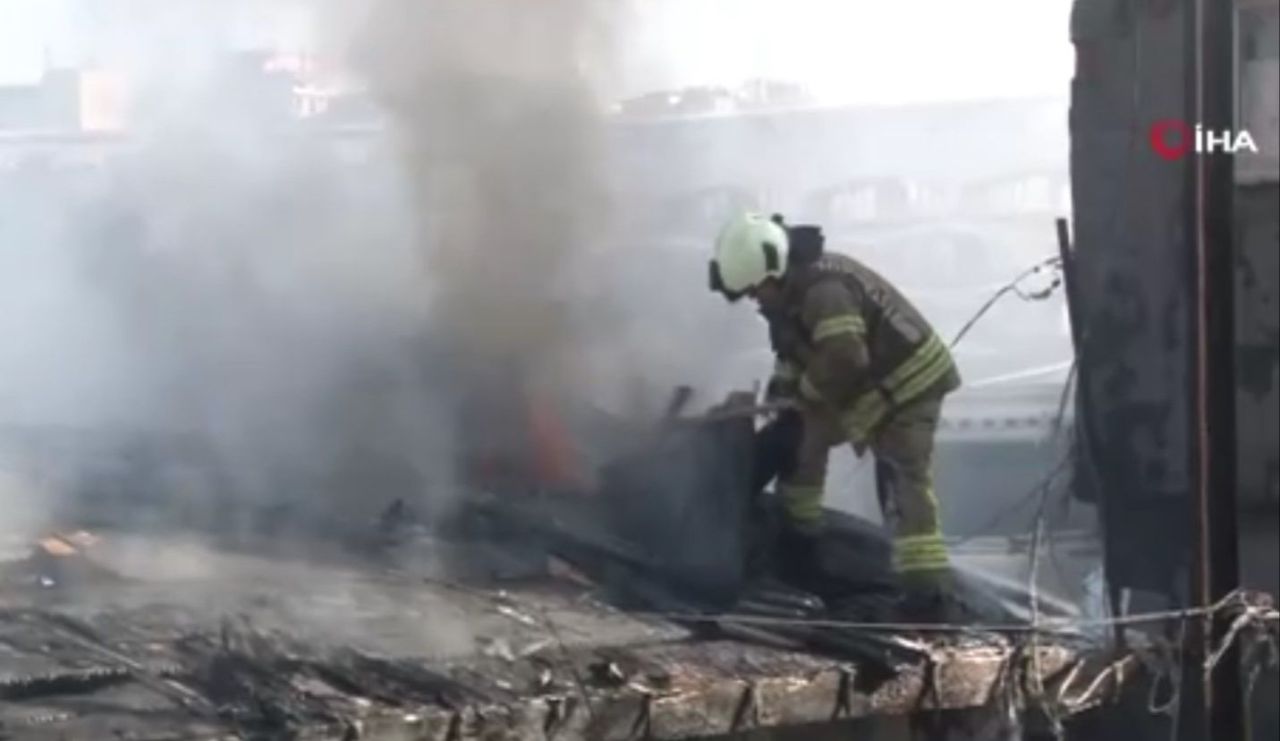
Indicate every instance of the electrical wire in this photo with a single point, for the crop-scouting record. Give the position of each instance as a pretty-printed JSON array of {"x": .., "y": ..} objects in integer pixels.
[
  {"x": 1014, "y": 287},
  {"x": 1046, "y": 481},
  {"x": 1041, "y": 486},
  {"x": 1058, "y": 426},
  {"x": 1066, "y": 394},
  {"x": 1049, "y": 626}
]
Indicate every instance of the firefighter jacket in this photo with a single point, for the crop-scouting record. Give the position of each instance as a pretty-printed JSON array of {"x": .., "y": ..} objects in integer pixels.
[{"x": 853, "y": 344}]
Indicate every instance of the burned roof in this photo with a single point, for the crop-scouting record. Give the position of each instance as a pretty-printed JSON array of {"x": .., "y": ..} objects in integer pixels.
[
  {"x": 137, "y": 636},
  {"x": 627, "y": 611}
]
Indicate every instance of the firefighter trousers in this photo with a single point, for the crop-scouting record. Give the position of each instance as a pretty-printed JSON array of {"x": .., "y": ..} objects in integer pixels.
[{"x": 903, "y": 450}]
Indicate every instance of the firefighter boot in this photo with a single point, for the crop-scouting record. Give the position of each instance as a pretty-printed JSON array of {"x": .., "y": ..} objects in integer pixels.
[{"x": 929, "y": 600}]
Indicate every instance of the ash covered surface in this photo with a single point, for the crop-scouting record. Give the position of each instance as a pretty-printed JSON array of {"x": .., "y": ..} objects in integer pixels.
[
  {"x": 263, "y": 642},
  {"x": 521, "y": 615},
  {"x": 184, "y": 638}
]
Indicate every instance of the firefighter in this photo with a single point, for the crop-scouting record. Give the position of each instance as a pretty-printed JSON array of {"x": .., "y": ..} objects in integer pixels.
[{"x": 865, "y": 368}]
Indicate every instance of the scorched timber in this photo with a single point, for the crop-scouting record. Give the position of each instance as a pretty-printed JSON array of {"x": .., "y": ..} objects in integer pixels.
[{"x": 192, "y": 642}]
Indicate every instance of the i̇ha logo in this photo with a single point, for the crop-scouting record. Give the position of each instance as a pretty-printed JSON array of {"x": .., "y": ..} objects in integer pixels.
[{"x": 1171, "y": 139}]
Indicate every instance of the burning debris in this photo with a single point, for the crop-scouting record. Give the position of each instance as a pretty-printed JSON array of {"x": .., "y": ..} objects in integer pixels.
[{"x": 57, "y": 560}]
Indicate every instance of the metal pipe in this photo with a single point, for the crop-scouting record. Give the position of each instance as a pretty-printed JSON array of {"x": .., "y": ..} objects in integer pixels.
[{"x": 1215, "y": 566}]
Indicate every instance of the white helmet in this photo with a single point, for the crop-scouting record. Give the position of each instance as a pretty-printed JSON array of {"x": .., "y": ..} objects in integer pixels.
[{"x": 751, "y": 248}]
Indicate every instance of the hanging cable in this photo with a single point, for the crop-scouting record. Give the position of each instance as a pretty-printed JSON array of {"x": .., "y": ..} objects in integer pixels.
[{"x": 1013, "y": 286}]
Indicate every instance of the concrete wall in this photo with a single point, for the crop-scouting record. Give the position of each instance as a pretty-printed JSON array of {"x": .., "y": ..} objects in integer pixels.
[
  {"x": 1258, "y": 338},
  {"x": 1129, "y": 218},
  {"x": 1258, "y": 370},
  {"x": 1133, "y": 255},
  {"x": 1258, "y": 328}
]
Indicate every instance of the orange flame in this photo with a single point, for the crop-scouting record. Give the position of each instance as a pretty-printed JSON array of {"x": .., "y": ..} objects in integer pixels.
[{"x": 554, "y": 461}]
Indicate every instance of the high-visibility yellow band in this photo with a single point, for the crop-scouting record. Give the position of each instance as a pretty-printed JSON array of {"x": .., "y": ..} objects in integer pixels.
[
  {"x": 939, "y": 551},
  {"x": 935, "y": 551},
  {"x": 918, "y": 565},
  {"x": 803, "y": 504},
  {"x": 929, "y": 350},
  {"x": 923, "y": 558},
  {"x": 914, "y": 541},
  {"x": 914, "y": 553},
  {"x": 922, "y": 554},
  {"x": 926, "y": 366},
  {"x": 842, "y": 324}
]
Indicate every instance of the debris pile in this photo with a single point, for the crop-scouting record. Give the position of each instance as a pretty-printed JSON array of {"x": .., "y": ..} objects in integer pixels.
[
  {"x": 550, "y": 656},
  {"x": 57, "y": 560}
]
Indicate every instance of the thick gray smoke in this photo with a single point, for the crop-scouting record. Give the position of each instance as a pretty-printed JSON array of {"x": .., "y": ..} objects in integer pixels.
[
  {"x": 222, "y": 309},
  {"x": 282, "y": 326},
  {"x": 272, "y": 306},
  {"x": 493, "y": 107}
]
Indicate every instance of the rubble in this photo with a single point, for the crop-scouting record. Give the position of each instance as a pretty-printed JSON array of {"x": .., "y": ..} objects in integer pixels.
[
  {"x": 149, "y": 656},
  {"x": 57, "y": 559},
  {"x": 550, "y": 613}
]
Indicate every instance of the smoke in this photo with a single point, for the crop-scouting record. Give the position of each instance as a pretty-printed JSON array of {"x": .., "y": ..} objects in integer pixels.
[
  {"x": 221, "y": 304},
  {"x": 272, "y": 301},
  {"x": 281, "y": 326},
  {"x": 23, "y": 504},
  {"x": 498, "y": 119},
  {"x": 497, "y": 111},
  {"x": 310, "y": 326}
]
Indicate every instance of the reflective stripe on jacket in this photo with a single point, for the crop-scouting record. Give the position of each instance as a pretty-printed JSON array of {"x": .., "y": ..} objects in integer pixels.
[{"x": 870, "y": 350}]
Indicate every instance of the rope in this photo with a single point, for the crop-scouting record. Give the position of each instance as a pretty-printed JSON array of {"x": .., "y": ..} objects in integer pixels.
[
  {"x": 1033, "y": 592},
  {"x": 1164, "y": 664},
  {"x": 1170, "y": 670},
  {"x": 1250, "y": 615},
  {"x": 1263, "y": 655},
  {"x": 1090, "y": 693}
]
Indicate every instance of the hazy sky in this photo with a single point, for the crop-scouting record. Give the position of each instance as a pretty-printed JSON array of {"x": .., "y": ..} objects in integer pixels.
[
  {"x": 864, "y": 50},
  {"x": 25, "y": 27},
  {"x": 855, "y": 50}
]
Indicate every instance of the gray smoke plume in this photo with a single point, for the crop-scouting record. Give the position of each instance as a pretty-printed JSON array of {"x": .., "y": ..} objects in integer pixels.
[
  {"x": 494, "y": 109},
  {"x": 222, "y": 315},
  {"x": 273, "y": 323}
]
